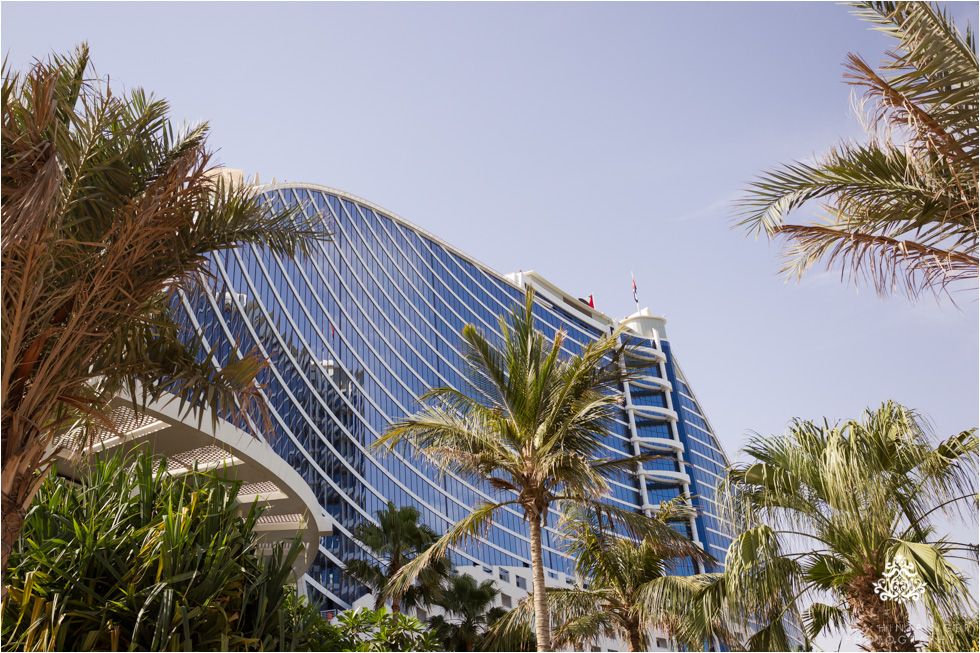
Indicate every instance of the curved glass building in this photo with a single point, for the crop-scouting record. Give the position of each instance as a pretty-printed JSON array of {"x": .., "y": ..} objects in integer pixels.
[{"x": 356, "y": 333}]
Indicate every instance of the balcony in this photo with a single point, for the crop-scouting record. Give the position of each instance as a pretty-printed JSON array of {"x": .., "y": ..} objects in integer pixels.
[
  {"x": 661, "y": 476},
  {"x": 652, "y": 383},
  {"x": 660, "y": 444},
  {"x": 647, "y": 354},
  {"x": 655, "y": 412}
]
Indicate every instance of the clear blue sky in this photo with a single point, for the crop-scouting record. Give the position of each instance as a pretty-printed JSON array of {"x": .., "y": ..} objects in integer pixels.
[{"x": 583, "y": 141}]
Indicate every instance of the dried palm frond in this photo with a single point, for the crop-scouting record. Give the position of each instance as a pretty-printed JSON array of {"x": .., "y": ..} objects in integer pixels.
[{"x": 903, "y": 206}]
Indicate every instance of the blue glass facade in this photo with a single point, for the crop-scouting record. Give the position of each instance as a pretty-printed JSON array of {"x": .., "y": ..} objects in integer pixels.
[{"x": 358, "y": 332}]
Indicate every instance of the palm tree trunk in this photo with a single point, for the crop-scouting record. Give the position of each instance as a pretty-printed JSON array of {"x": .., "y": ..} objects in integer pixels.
[
  {"x": 885, "y": 624},
  {"x": 13, "y": 522},
  {"x": 18, "y": 492},
  {"x": 396, "y": 599},
  {"x": 636, "y": 642},
  {"x": 542, "y": 618},
  {"x": 22, "y": 478}
]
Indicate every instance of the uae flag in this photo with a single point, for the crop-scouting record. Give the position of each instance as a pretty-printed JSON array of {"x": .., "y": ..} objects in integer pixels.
[{"x": 635, "y": 298}]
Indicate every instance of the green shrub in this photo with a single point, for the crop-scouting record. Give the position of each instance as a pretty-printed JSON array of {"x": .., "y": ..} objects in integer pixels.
[
  {"x": 378, "y": 630},
  {"x": 131, "y": 558}
]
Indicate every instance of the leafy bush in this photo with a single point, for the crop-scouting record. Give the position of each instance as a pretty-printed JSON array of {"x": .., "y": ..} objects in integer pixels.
[
  {"x": 131, "y": 558},
  {"x": 379, "y": 630}
]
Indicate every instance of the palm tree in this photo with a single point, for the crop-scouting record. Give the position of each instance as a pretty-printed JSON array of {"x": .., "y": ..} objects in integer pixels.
[
  {"x": 535, "y": 435},
  {"x": 625, "y": 589},
  {"x": 396, "y": 540},
  {"x": 107, "y": 213},
  {"x": 902, "y": 207},
  {"x": 826, "y": 509},
  {"x": 469, "y": 612}
]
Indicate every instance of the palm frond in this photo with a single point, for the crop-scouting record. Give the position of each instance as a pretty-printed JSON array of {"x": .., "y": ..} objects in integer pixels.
[
  {"x": 820, "y": 617},
  {"x": 887, "y": 264},
  {"x": 474, "y": 525},
  {"x": 904, "y": 206}
]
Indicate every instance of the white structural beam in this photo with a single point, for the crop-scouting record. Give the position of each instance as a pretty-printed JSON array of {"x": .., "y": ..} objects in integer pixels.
[{"x": 223, "y": 450}]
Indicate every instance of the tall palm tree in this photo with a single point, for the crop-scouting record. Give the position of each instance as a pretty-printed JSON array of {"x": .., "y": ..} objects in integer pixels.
[
  {"x": 625, "y": 589},
  {"x": 397, "y": 539},
  {"x": 902, "y": 208},
  {"x": 827, "y": 509},
  {"x": 469, "y": 611},
  {"x": 107, "y": 212},
  {"x": 535, "y": 435}
]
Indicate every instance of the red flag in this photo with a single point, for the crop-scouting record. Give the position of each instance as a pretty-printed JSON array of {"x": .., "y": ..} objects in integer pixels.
[{"x": 591, "y": 302}]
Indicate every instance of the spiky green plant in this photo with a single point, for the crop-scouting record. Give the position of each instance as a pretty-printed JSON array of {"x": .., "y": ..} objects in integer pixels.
[
  {"x": 824, "y": 509},
  {"x": 394, "y": 541},
  {"x": 131, "y": 558},
  {"x": 901, "y": 208},
  {"x": 107, "y": 212},
  {"x": 536, "y": 435}
]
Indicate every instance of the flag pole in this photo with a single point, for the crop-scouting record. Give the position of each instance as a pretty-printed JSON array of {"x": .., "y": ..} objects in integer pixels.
[{"x": 635, "y": 298}]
